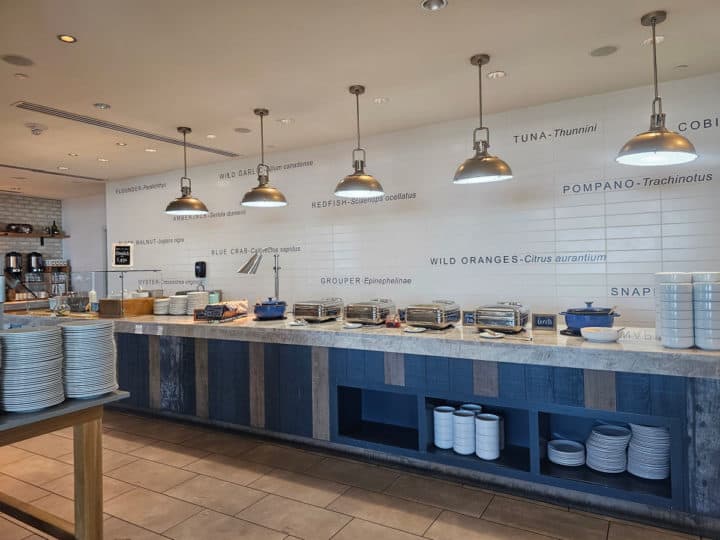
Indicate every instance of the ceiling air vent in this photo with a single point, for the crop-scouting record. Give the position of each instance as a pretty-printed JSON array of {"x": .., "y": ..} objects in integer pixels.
[
  {"x": 54, "y": 173},
  {"x": 44, "y": 109}
]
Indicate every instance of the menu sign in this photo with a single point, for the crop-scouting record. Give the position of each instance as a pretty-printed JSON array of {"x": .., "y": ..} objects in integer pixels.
[{"x": 122, "y": 255}]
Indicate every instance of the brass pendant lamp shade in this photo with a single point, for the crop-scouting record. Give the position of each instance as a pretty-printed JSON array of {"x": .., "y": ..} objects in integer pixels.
[
  {"x": 359, "y": 184},
  {"x": 482, "y": 167},
  {"x": 263, "y": 195},
  {"x": 658, "y": 145},
  {"x": 186, "y": 204}
]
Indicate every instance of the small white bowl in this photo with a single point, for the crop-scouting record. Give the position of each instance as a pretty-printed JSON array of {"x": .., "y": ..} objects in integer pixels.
[
  {"x": 673, "y": 277},
  {"x": 708, "y": 333},
  {"x": 676, "y": 325},
  {"x": 600, "y": 334},
  {"x": 707, "y": 324},
  {"x": 702, "y": 305},
  {"x": 706, "y": 287},
  {"x": 676, "y": 332},
  {"x": 707, "y": 315},
  {"x": 706, "y": 296},
  {"x": 677, "y": 343},
  {"x": 678, "y": 301},
  {"x": 708, "y": 344},
  {"x": 675, "y": 315},
  {"x": 675, "y": 287},
  {"x": 706, "y": 277}
]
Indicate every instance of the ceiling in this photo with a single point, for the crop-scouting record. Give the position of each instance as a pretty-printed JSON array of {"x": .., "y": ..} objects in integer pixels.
[{"x": 164, "y": 63}]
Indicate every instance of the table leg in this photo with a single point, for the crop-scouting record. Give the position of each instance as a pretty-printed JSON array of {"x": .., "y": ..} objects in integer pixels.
[{"x": 88, "y": 480}]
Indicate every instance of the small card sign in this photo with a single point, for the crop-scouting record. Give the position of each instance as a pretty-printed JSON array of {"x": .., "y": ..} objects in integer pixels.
[
  {"x": 468, "y": 318},
  {"x": 544, "y": 321},
  {"x": 122, "y": 255}
]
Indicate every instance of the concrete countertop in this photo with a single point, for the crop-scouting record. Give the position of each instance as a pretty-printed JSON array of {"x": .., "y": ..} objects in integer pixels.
[{"x": 637, "y": 351}]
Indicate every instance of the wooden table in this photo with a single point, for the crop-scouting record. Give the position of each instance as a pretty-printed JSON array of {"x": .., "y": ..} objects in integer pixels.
[{"x": 85, "y": 415}]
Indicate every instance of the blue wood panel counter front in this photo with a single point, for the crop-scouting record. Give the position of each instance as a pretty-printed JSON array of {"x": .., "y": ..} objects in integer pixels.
[{"x": 382, "y": 403}]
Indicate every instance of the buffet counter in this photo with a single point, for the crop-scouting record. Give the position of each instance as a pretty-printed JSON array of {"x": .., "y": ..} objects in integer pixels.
[{"x": 372, "y": 391}]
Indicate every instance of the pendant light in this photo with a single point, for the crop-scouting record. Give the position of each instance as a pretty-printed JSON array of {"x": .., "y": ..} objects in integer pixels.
[
  {"x": 358, "y": 185},
  {"x": 659, "y": 145},
  {"x": 263, "y": 195},
  {"x": 186, "y": 204},
  {"x": 482, "y": 167}
]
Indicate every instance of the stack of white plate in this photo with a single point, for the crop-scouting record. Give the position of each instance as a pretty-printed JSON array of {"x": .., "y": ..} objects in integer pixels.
[
  {"x": 487, "y": 436},
  {"x": 89, "y": 368},
  {"x": 161, "y": 306},
  {"x": 666, "y": 277},
  {"x": 706, "y": 302},
  {"x": 676, "y": 315},
  {"x": 31, "y": 368},
  {"x": 606, "y": 448},
  {"x": 564, "y": 452},
  {"x": 443, "y": 426},
  {"x": 197, "y": 300},
  {"x": 649, "y": 452},
  {"x": 464, "y": 432},
  {"x": 472, "y": 407},
  {"x": 178, "y": 305}
]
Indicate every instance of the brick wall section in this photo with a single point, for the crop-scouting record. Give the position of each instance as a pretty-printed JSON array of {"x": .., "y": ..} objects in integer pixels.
[{"x": 37, "y": 212}]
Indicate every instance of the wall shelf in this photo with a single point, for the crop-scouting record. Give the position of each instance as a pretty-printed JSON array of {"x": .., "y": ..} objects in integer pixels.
[{"x": 41, "y": 236}]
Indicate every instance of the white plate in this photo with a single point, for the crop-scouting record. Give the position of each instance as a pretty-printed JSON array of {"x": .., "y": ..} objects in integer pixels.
[
  {"x": 677, "y": 343},
  {"x": 352, "y": 325},
  {"x": 705, "y": 277},
  {"x": 673, "y": 277},
  {"x": 675, "y": 288},
  {"x": 706, "y": 288},
  {"x": 414, "y": 329},
  {"x": 675, "y": 333}
]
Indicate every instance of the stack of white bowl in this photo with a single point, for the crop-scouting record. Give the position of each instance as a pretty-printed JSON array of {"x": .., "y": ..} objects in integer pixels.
[
  {"x": 666, "y": 277},
  {"x": 443, "y": 426},
  {"x": 178, "y": 305},
  {"x": 487, "y": 436},
  {"x": 706, "y": 303},
  {"x": 464, "y": 432},
  {"x": 161, "y": 306},
  {"x": 566, "y": 452},
  {"x": 676, "y": 313},
  {"x": 472, "y": 407},
  {"x": 197, "y": 300}
]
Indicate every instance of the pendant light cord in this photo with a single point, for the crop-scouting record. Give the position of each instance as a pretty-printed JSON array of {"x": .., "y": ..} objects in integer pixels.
[
  {"x": 657, "y": 99},
  {"x": 262, "y": 141},
  {"x": 185, "y": 152},
  {"x": 357, "y": 118},
  {"x": 480, "y": 106}
]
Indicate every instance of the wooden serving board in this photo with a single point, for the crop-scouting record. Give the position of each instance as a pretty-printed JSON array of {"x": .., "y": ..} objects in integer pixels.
[{"x": 111, "y": 308}]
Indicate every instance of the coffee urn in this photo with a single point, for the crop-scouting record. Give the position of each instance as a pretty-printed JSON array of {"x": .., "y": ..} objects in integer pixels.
[
  {"x": 35, "y": 262},
  {"x": 13, "y": 263}
]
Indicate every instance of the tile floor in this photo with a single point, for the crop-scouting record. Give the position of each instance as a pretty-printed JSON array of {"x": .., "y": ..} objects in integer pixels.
[{"x": 170, "y": 480}]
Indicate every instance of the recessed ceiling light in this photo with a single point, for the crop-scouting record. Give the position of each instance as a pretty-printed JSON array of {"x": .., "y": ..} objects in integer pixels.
[
  {"x": 286, "y": 121},
  {"x": 497, "y": 75},
  {"x": 103, "y": 160},
  {"x": 242, "y": 130},
  {"x": 120, "y": 143},
  {"x": 381, "y": 100},
  {"x": 151, "y": 150},
  {"x": 17, "y": 60},
  {"x": 680, "y": 67},
  {"x": 658, "y": 40},
  {"x": 63, "y": 168},
  {"x": 22, "y": 76},
  {"x": 73, "y": 154},
  {"x": 607, "y": 50},
  {"x": 210, "y": 136},
  {"x": 67, "y": 38},
  {"x": 433, "y": 5},
  {"x": 101, "y": 106}
]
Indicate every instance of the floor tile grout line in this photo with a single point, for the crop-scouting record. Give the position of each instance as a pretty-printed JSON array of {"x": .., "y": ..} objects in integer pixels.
[
  {"x": 373, "y": 522},
  {"x": 342, "y": 528},
  {"x": 547, "y": 535},
  {"x": 492, "y": 499}
]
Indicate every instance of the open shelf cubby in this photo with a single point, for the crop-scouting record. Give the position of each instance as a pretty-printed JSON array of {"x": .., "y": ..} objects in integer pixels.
[
  {"x": 379, "y": 417},
  {"x": 515, "y": 455},
  {"x": 578, "y": 428}
]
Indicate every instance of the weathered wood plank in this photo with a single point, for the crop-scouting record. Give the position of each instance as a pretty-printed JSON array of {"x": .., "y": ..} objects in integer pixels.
[
  {"x": 320, "y": 393},
  {"x": 599, "y": 391},
  {"x": 257, "y": 384},
  {"x": 485, "y": 378},
  {"x": 394, "y": 369},
  {"x": 154, "y": 371},
  {"x": 201, "y": 378}
]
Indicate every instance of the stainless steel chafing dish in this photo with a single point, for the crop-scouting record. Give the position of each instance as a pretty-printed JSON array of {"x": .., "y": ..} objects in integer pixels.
[
  {"x": 502, "y": 317},
  {"x": 375, "y": 311},
  {"x": 439, "y": 314},
  {"x": 319, "y": 310}
]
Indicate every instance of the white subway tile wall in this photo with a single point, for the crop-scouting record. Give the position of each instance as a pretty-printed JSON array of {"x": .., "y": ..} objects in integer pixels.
[{"x": 571, "y": 226}]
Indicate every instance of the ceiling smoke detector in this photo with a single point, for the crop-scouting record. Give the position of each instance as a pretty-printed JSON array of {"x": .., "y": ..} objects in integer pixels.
[
  {"x": 242, "y": 130},
  {"x": 607, "y": 50},
  {"x": 36, "y": 129}
]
